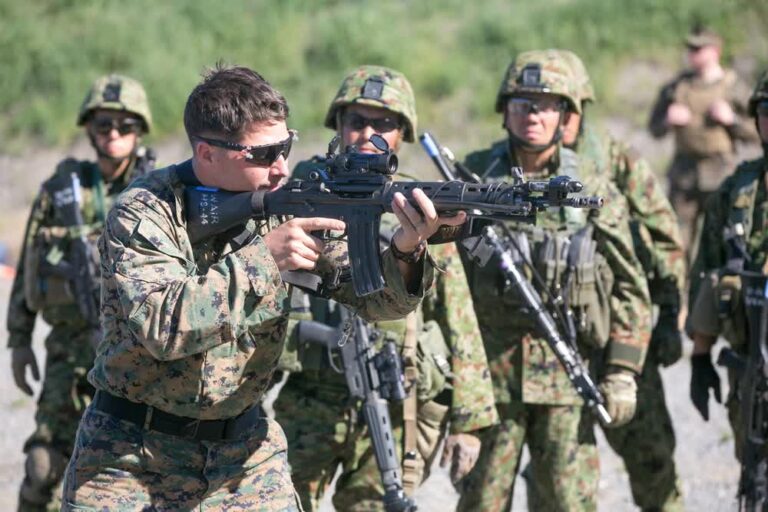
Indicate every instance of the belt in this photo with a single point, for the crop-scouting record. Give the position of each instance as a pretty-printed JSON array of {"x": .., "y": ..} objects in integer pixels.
[{"x": 150, "y": 418}]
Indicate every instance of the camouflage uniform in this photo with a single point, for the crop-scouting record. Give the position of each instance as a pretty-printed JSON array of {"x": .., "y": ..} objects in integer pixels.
[
  {"x": 69, "y": 351},
  {"x": 716, "y": 306},
  {"x": 535, "y": 399},
  {"x": 193, "y": 332},
  {"x": 323, "y": 425},
  {"x": 704, "y": 149},
  {"x": 646, "y": 444}
]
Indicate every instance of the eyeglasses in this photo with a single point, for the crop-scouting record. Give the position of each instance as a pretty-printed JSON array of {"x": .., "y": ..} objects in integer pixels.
[
  {"x": 380, "y": 125},
  {"x": 762, "y": 108},
  {"x": 104, "y": 125},
  {"x": 525, "y": 106},
  {"x": 264, "y": 155}
]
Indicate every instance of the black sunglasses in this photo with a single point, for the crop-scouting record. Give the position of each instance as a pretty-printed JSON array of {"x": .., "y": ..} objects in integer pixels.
[
  {"x": 104, "y": 125},
  {"x": 266, "y": 154},
  {"x": 380, "y": 125},
  {"x": 762, "y": 108}
]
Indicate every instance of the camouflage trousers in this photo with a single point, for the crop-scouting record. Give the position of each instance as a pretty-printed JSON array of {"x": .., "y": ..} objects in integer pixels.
[
  {"x": 692, "y": 180},
  {"x": 118, "y": 466},
  {"x": 325, "y": 432},
  {"x": 65, "y": 394},
  {"x": 564, "y": 461},
  {"x": 647, "y": 445}
]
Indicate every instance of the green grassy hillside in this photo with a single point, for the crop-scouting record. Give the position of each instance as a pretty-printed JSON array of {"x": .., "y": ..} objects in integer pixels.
[{"x": 453, "y": 51}]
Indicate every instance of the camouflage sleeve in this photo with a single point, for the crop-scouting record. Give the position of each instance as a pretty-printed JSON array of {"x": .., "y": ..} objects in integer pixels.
[
  {"x": 657, "y": 123},
  {"x": 743, "y": 128},
  {"x": 21, "y": 319},
  {"x": 630, "y": 302},
  {"x": 171, "y": 309},
  {"x": 649, "y": 205},
  {"x": 473, "y": 406}
]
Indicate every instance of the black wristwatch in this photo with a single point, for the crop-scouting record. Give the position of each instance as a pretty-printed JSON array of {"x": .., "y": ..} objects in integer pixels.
[{"x": 407, "y": 257}]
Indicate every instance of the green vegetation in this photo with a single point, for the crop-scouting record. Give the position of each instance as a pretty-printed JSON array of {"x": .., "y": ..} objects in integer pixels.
[{"x": 453, "y": 51}]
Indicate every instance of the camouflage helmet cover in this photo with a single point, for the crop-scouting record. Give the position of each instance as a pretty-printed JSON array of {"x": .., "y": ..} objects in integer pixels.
[
  {"x": 580, "y": 74},
  {"x": 540, "y": 71},
  {"x": 116, "y": 92},
  {"x": 377, "y": 86},
  {"x": 759, "y": 94}
]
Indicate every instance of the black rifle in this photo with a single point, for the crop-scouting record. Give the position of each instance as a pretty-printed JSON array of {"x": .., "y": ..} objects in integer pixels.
[
  {"x": 79, "y": 266},
  {"x": 374, "y": 378},
  {"x": 358, "y": 188},
  {"x": 753, "y": 393},
  {"x": 480, "y": 249}
]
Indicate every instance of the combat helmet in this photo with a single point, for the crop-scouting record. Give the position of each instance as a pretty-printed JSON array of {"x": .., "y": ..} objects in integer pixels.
[
  {"x": 542, "y": 71},
  {"x": 759, "y": 94},
  {"x": 116, "y": 92},
  {"x": 585, "y": 89},
  {"x": 376, "y": 86}
]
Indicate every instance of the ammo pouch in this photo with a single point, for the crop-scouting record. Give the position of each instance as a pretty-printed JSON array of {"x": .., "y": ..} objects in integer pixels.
[
  {"x": 730, "y": 310},
  {"x": 589, "y": 282},
  {"x": 43, "y": 286}
]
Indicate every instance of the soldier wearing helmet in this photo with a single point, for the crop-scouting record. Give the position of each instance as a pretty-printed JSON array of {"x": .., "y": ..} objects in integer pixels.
[
  {"x": 703, "y": 107},
  {"x": 115, "y": 114},
  {"x": 647, "y": 443},
  {"x": 732, "y": 241},
  {"x": 322, "y": 423},
  {"x": 534, "y": 397}
]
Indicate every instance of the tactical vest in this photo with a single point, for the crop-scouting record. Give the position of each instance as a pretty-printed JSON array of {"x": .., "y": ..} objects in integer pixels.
[
  {"x": 739, "y": 249},
  {"x": 46, "y": 287},
  {"x": 562, "y": 249}
]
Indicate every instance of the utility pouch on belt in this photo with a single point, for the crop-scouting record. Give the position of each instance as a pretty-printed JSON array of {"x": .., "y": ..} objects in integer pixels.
[
  {"x": 590, "y": 281},
  {"x": 433, "y": 362}
]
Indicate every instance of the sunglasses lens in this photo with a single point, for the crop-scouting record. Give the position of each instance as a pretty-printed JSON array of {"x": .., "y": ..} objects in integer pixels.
[
  {"x": 762, "y": 108},
  {"x": 124, "y": 127},
  {"x": 268, "y": 155},
  {"x": 380, "y": 125}
]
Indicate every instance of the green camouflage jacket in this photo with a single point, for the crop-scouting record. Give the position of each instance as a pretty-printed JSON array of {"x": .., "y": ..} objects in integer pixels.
[
  {"x": 197, "y": 331},
  {"x": 449, "y": 303},
  {"x": 523, "y": 367},
  {"x": 741, "y": 199},
  {"x": 658, "y": 243},
  {"x": 97, "y": 197}
]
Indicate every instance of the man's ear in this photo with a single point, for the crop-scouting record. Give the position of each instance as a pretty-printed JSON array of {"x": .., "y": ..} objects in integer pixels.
[{"x": 203, "y": 152}]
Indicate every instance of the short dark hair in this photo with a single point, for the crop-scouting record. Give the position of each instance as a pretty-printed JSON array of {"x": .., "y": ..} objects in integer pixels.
[{"x": 229, "y": 100}]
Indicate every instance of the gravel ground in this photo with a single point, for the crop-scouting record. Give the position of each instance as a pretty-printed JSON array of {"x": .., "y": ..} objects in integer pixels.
[{"x": 704, "y": 455}]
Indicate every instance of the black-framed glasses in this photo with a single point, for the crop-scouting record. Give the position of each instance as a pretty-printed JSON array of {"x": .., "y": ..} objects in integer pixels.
[
  {"x": 104, "y": 125},
  {"x": 525, "y": 106},
  {"x": 762, "y": 108},
  {"x": 266, "y": 154},
  {"x": 357, "y": 122}
]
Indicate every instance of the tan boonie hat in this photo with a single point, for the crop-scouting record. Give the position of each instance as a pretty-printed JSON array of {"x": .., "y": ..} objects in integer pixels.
[{"x": 700, "y": 36}]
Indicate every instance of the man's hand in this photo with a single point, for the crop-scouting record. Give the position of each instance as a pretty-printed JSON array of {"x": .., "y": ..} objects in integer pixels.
[
  {"x": 721, "y": 112},
  {"x": 620, "y": 391},
  {"x": 678, "y": 115},
  {"x": 291, "y": 245},
  {"x": 416, "y": 225},
  {"x": 21, "y": 357},
  {"x": 461, "y": 452},
  {"x": 666, "y": 340},
  {"x": 703, "y": 378}
]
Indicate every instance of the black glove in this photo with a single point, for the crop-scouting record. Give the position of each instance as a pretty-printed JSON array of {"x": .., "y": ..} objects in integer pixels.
[
  {"x": 703, "y": 378},
  {"x": 666, "y": 341}
]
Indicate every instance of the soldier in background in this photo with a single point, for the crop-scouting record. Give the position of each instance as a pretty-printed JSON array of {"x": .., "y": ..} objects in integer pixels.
[
  {"x": 115, "y": 115},
  {"x": 647, "y": 443},
  {"x": 733, "y": 238},
  {"x": 704, "y": 106},
  {"x": 324, "y": 427},
  {"x": 607, "y": 294}
]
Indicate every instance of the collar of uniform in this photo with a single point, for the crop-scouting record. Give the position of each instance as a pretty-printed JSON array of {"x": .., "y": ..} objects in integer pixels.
[{"x": 550, "y": 168}]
